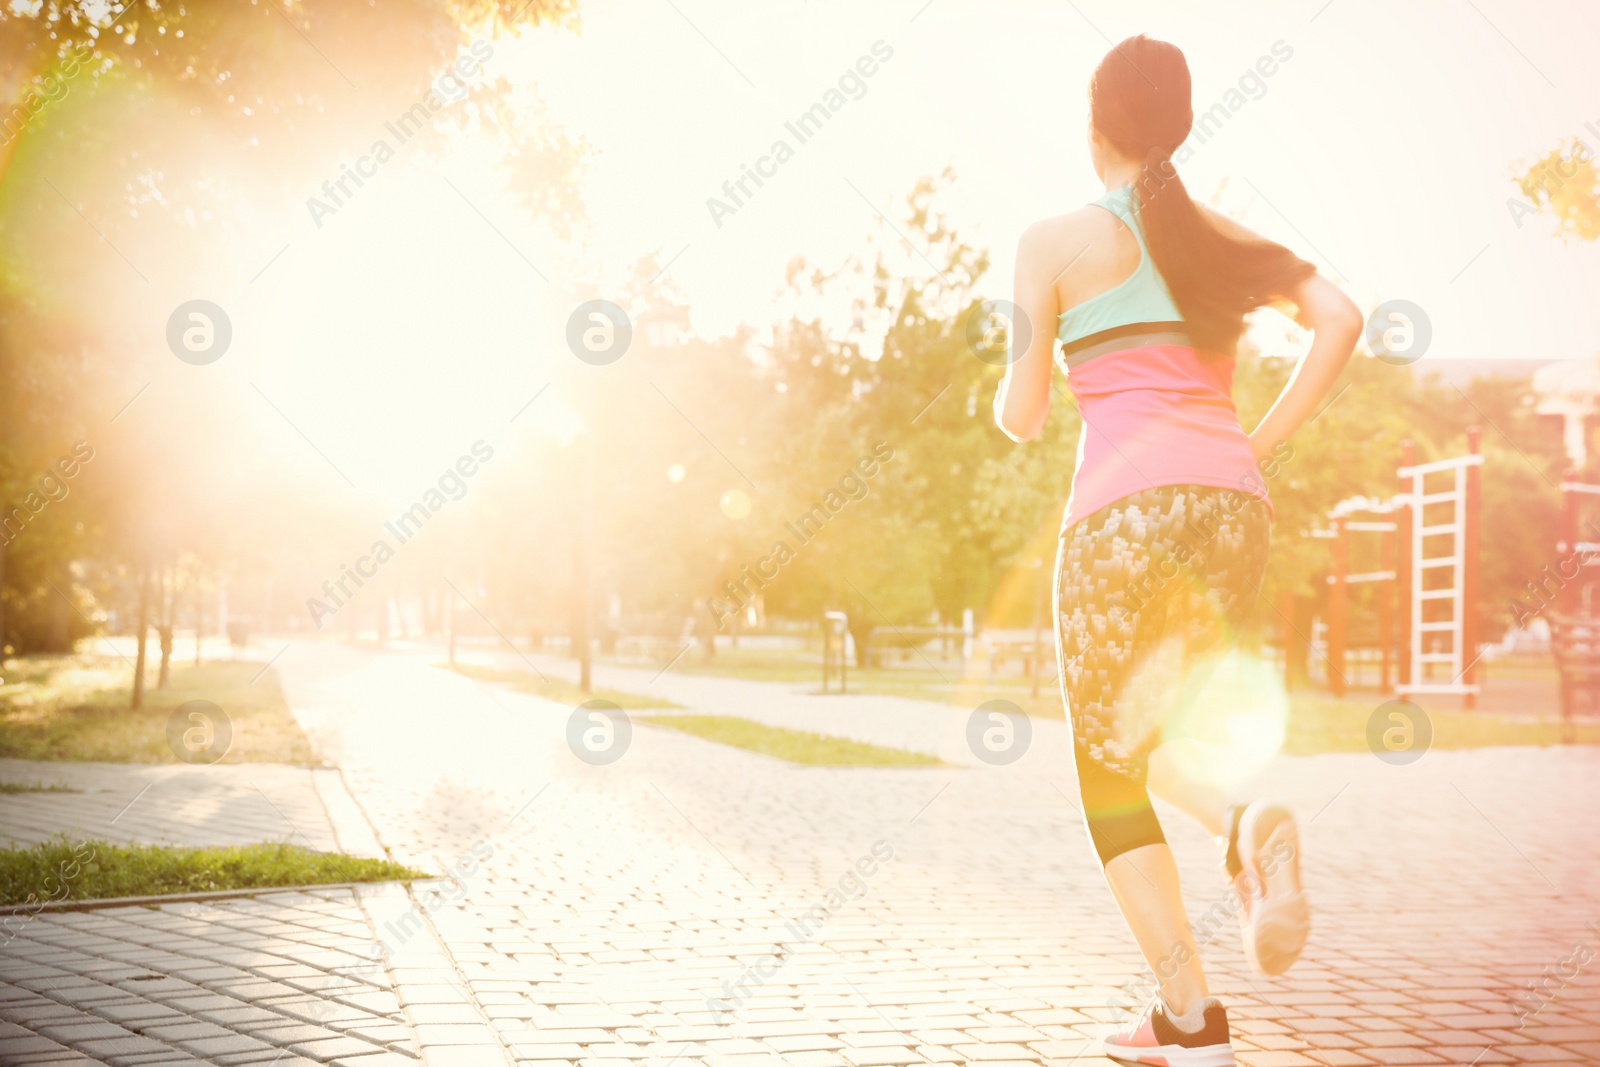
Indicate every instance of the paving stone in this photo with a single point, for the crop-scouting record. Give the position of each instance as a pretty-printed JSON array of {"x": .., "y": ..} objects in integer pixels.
[
  {"x": 235, "y": 1044},
  {"x": 881, "y": 1054},
  {"x": 228, "y": 804},
  {"x": 466, "y": 1056},
  {"x": 815, "y": 1059},
  {"x": 630, "y": 914},
  {"x": 431, "y": 1034},
  {"x": 332, "y": 1048}
]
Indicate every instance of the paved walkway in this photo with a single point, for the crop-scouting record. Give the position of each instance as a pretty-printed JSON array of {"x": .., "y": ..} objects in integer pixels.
[
  {"x": 288, "y": 978},
  {"x": 177, "y": 804},
  {"x": 271, "y": 981},
  {"x": 693, "y": 903},
  {"x": 639, "y": 910}
]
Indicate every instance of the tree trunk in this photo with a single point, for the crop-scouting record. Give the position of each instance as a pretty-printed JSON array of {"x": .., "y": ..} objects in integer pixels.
[
  {"x": 861, "y": 631},
  {"x": 164, "y": 630},
  {"x": 221, "y": 604},
  {"x": 3, "y": 603},
  {"x": 143, "y": 627},
  {"x": 60, "y": 633},
  {"x": 199, "y": 620},
  {"x": 705, "y": 628}
]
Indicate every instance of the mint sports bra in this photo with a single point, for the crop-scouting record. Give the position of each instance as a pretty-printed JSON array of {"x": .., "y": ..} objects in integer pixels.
[{"x": 1141, "y": 297}]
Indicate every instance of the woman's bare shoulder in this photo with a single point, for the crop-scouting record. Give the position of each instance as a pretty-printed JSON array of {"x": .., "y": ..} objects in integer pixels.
[{"x": 1061, "y": 239}]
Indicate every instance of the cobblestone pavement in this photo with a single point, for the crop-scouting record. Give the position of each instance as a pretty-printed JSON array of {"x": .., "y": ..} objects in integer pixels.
[
  {"x": 286, "y": 979},
  {"x": 695, "y": 903},
  {"x": 177, "y": 804}
]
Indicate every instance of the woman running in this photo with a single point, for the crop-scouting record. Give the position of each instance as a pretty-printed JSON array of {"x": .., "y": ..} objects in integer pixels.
[{"x": 1165, "y": 535}]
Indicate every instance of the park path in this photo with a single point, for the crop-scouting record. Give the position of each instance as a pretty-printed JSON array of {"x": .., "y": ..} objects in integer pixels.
[
  {"x": 634, "y": 912},
  {"x": 285, "y": 978},
  {"x": 176, "y": 804},
  {"x": 899, "y": 722},
  {"x": 694, "y": 903}
]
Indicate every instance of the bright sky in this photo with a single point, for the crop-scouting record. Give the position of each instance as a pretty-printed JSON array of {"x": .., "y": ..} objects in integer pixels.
[{"x": 1382, "y": 149}]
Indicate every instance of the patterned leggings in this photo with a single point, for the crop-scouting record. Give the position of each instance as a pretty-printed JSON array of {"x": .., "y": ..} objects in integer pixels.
[{"x": 1148, "y": 592}]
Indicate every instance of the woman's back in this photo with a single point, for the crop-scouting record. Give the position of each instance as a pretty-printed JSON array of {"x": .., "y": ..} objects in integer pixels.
[
  {"x": 1156, "y": 411},
  {"x": 1121, "y": 287}
]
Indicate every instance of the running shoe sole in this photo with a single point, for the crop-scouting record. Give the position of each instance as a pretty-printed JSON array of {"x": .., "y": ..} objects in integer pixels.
[
  {"x": 1175, "y": 1055},
  {"x": 1280, "y": 919}
]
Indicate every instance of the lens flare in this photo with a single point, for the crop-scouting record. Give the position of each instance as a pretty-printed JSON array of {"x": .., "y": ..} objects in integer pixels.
[{"x": 1237, "y": 717}]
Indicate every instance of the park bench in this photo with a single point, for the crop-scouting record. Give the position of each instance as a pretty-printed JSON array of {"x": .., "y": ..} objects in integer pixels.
[
  {"x": 1034, "y": 650},
  {"x": 1007, "y": 646},
  {"x": 1575, "y": 641}
]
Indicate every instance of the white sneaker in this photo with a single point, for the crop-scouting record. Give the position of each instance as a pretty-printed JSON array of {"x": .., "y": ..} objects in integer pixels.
[
  {"x": 1153, "y": 1039},
  {"x": 1276, "y": 914}
]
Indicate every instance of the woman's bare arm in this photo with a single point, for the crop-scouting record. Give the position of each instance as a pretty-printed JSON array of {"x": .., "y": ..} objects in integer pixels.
[
  {"x": 1023, "y": 399},
  {"x": 1335, "y": 323}
]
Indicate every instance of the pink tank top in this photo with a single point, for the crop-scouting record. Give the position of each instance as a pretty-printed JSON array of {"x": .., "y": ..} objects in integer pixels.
[{"x": 1156, "y": 412}]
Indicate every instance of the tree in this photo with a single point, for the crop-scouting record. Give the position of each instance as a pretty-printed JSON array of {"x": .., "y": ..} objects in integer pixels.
[
  {"x": 1565, "y": 183},
  {"x": 195, "y": 120}
]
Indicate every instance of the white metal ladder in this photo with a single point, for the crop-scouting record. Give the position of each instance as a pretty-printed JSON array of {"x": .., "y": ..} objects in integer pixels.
[{"x": 1455, "y": 563}]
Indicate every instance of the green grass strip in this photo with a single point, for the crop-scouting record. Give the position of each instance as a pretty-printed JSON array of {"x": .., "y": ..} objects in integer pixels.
[
  {"x": 796, "y": 746},
  {"x": 1319, "y": 724},
  {"x": 62, "y": 869},
  {"x": 76, "y": 708},
  {"x": 558, "y": 690}
]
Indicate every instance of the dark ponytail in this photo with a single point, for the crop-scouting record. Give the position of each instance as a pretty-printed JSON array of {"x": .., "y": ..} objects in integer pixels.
[{"x": 1139, "y": 101}]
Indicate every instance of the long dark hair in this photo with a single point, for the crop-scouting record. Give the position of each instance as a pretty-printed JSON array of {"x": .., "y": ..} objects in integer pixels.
[{"x": 1139, "y": 101}]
